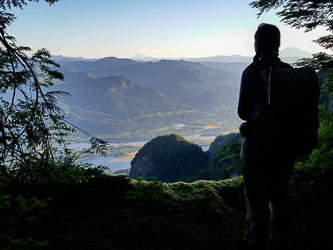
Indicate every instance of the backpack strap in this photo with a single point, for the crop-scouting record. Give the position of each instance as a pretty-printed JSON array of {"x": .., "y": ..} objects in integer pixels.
[{"x": 269, "y": 85}]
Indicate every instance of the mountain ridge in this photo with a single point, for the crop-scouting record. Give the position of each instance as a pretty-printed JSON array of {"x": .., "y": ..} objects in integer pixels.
[
  {"x": 150, "y": 98},
  {"x": 289, "y": 52},
  {"x": 177, "y": 80}
]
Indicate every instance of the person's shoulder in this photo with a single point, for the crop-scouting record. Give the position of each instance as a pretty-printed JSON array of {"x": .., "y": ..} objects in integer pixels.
[
  {"x": 251, "y": 68},
  {"x": 281, "y": 64}
]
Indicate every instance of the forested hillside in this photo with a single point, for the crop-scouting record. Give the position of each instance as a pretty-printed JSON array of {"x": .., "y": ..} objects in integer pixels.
[
  {"x": 168, "y": 158},
  {"x": 172, "y": 158}
]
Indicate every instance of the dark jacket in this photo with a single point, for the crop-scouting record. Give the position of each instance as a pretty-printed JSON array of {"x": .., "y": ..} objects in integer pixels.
[{"x": 252, "y": 84}]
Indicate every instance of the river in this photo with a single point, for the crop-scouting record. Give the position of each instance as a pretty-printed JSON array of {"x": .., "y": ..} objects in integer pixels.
[{"x": 110, "y": 161}]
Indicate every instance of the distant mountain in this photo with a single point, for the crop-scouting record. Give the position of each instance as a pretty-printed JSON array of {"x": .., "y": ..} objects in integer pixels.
[
  {"x": 105, "y": 66},
  {"x": 60, "y": 58},
  {"x": 177, "y": 80},
  {"x": 224, "y": 59},
  {"x": 118, "y": 96},
  {"x": 138, "y": 99},
  {"x": 116, "y": 106},
  {"x": 237, "y": 64},
  {"x": 72, "y": 75},
  {"x": 207, "y": 102},
  {"x": 216, "y": 77},
  {"x": 287, "y": 54},
  {"x": 235, "y": 67},
  {"x": 130, "y": 99},
  {"x": 294, "y": 52},
  {"x": 142, "y": 57}
]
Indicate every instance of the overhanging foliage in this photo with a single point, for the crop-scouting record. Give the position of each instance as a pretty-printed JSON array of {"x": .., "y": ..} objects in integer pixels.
[{"x": 32, "y": 127}]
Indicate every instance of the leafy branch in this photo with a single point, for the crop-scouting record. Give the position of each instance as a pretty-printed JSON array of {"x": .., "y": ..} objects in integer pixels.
[
  {"x": 4, "y": 4},
  {"x": 31, "y": 123}
]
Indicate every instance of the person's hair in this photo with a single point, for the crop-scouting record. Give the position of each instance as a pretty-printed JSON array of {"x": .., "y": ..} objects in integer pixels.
[{"x": 267, "y": 38}]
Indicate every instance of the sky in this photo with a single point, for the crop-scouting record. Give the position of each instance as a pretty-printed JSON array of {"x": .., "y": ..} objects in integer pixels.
[{"x": 155, "y": 28}]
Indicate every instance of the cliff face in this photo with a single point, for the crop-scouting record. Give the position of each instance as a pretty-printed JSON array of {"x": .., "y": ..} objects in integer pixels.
[{"x": 142, "y": 167}]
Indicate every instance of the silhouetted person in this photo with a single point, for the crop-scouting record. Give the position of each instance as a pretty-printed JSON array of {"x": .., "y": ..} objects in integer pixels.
[{"x": 266, "y": 179}]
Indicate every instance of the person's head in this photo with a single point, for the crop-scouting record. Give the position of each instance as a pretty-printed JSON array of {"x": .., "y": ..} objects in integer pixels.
[{"x": 267, "y": 40}]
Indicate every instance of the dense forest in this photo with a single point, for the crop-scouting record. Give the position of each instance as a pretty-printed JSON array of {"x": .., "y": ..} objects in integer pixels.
[
  {"x": 49, "y": 201},
  {"x": 172, "y": 158}
]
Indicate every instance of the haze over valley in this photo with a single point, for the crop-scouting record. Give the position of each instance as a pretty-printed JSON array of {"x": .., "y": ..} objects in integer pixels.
[
  {"x": 126, "y": 100},
  {"x": 123, "y": 98}
]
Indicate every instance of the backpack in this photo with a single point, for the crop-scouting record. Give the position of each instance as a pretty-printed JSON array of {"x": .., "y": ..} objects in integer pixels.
[{"x": 285, "y": 118}]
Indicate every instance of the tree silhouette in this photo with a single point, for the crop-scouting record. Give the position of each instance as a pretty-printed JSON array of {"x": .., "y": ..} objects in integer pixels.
[{"x": 32, "y": 126}]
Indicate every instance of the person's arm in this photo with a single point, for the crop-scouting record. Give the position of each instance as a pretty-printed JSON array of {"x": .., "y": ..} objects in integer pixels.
[{"x": 244, "y": 98}]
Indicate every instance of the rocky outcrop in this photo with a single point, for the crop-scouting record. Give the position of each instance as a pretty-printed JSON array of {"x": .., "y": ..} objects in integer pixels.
[{"x": 142, "y": 167}]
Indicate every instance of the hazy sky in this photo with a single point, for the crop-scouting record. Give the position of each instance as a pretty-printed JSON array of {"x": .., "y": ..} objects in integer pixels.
[{"x": 157, "y": 28}]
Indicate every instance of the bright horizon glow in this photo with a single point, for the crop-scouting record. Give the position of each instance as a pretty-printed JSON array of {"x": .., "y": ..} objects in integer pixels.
[{"x": 155, "y": 28}]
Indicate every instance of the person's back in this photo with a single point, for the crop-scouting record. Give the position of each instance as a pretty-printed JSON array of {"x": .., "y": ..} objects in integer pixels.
[
  {"x": 251, "y": 84},
  {"x": 266, "y": 177}
]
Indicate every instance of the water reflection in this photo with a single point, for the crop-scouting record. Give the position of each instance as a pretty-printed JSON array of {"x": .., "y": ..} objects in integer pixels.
[{"x": 109, "y": 162}]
